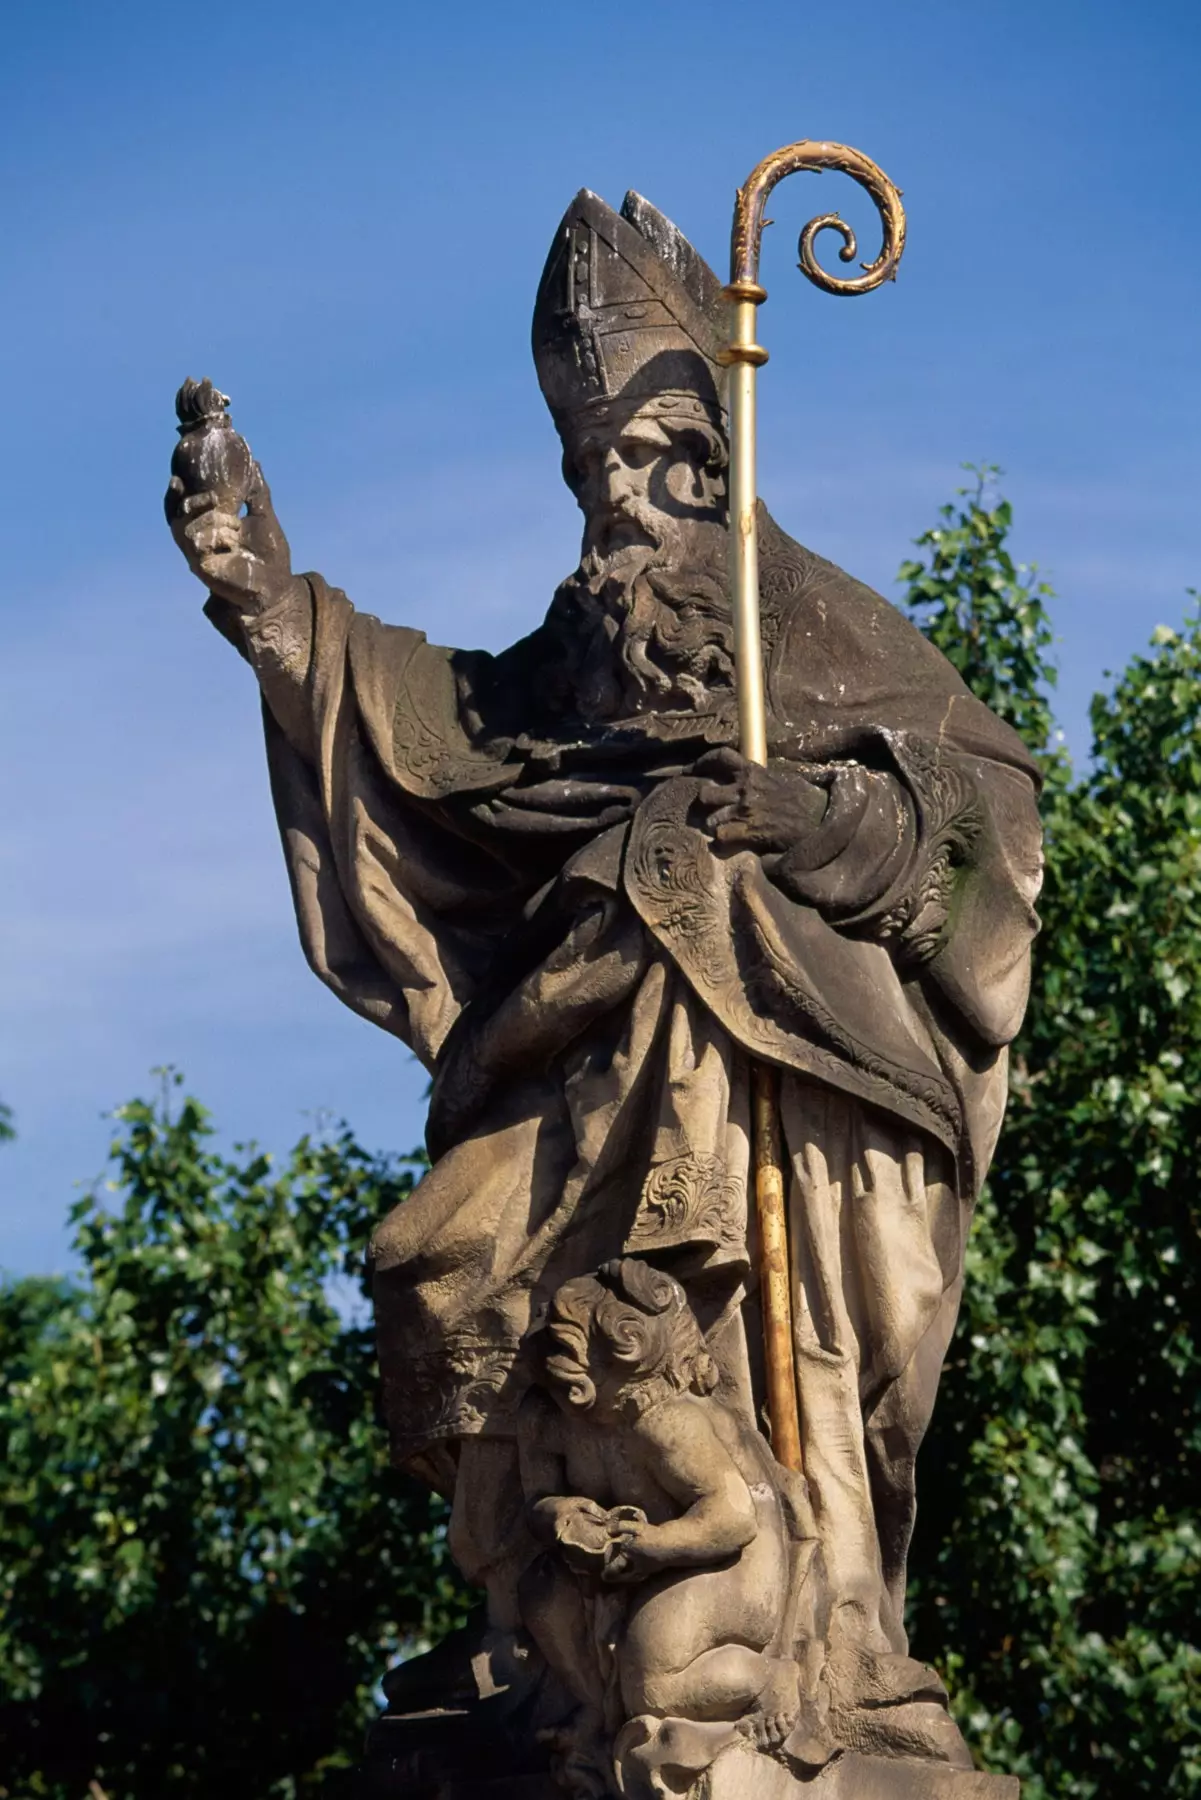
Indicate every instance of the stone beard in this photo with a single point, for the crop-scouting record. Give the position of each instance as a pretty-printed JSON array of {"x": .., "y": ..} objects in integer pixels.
[
  {"x": 551, "y": 875},
  {"x": 644, "y": 638},
  {"x": 644, "y": 622}
]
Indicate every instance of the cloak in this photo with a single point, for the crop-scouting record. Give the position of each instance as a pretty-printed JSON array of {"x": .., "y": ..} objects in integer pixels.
[
  {"x": 420, "y": 848},
  {"x": 533, "y": 906}
]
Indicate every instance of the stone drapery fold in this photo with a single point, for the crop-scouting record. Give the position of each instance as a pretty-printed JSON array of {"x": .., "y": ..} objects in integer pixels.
[{"x": 587, "y": 980}]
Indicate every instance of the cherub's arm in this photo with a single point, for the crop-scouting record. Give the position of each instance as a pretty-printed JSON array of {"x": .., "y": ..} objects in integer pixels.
[
  {"x": 679, "y": 1448},
  {"x": 548, "y": 1505}
]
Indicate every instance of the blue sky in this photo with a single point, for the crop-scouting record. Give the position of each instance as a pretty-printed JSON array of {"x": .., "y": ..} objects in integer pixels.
[{"x": 340, "y": 214}]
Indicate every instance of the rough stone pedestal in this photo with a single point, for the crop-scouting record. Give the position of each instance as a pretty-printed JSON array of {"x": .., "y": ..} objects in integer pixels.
[
  {"x": 740, "y": 1774},
  {"x": 451, "y": 1755}
]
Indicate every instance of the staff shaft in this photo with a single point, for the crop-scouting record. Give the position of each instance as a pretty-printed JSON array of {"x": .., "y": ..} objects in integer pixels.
[
  {"x": 744, "y": 357},
  {"x": 744, "y": 542},
  {"x": 775, "y": 1272},
  {"x": 771, "y": 1204}
]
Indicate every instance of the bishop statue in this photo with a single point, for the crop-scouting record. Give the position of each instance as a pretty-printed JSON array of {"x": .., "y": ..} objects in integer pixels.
[{"x": 550, "y": 873}]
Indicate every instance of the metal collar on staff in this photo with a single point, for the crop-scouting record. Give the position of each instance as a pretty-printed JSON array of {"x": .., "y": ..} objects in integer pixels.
[{"x": 744, "y": 357}]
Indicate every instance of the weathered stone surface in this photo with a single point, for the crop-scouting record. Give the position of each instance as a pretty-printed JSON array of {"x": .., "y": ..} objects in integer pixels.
[
  {"x": 551, "y": 873},
  {"x": 741, "y": 1775}
]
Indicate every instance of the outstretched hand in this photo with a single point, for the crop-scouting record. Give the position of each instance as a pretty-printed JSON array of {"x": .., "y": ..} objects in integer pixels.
[
  {"x": 242, "y": 559},
  {"x": 756, "y": 808}
]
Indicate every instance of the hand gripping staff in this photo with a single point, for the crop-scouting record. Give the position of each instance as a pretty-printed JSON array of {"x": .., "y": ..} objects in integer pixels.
[{"x": 744, "y": 356}]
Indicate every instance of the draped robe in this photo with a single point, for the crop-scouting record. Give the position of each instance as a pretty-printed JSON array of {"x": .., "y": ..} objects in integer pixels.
[{"x": 533, "y": 905}]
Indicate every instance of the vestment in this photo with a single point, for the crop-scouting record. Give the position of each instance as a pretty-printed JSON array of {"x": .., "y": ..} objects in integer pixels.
[{"x": 539, "y": 913}]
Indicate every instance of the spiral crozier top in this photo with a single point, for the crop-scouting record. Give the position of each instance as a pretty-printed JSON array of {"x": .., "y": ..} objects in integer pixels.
[{"x": 749, "y": 221}]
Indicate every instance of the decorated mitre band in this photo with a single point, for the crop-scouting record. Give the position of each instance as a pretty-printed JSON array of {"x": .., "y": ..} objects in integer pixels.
[{"x": 628, "y": 317}]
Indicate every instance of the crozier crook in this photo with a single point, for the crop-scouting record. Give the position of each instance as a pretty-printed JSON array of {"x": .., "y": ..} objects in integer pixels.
[{"x": 743, "y": 356}]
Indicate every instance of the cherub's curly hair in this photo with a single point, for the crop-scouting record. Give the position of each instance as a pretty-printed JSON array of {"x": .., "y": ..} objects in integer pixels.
[{"x": 635, "y": 1319}]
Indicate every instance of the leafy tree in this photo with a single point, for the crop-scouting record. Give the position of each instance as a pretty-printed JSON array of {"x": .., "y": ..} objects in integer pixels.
[
  {"x": 1058, "y": 1560},
  {"x": 207, "y": 1561},
  {"x": 986, "y": 613}
]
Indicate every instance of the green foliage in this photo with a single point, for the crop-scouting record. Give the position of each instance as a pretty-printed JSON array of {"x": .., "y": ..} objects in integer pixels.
[
  {"x": 1057, "y": 1568},
  {"x": 7, "y": 1130},
  {"x": 986, "y": 613},
  {"x": 207, "y": 1561}
]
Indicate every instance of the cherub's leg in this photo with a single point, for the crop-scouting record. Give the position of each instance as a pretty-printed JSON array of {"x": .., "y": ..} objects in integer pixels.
[
  {"x": 777, "y": 1707},
  {"x": 552, "y": 1610},
  {"x": 729, "y": 1682},
  {"x": 722, "y": 1683}
]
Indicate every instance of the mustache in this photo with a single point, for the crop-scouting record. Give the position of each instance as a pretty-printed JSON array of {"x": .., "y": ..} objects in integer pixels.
[
  {"x": 631, "y": 518},
  {"x": 624, "y": 543}
]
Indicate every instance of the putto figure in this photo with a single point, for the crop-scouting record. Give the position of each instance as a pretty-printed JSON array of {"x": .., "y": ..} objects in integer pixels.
[
  {"x": 551, "y": 873},
  {"x": 635, "y": 1476}
]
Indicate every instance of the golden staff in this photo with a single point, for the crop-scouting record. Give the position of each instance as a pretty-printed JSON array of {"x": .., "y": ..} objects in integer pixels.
[{"x": 744, "y": 356}]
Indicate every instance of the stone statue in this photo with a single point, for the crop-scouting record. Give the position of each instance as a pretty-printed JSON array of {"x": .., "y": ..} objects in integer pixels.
[{"x": 552, "y": 875}]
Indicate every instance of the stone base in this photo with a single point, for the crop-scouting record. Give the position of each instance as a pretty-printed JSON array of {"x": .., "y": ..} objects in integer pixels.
[
  {"x": 744, "y": 1774},
  {"x": 444, "y": 1756},
  {"x": 492, "y": 1750}
]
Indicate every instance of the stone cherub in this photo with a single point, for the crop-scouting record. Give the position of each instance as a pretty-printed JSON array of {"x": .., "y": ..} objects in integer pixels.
[
  {"x": 637, "y": 1477},
  {"x": 549, "y": 872}
]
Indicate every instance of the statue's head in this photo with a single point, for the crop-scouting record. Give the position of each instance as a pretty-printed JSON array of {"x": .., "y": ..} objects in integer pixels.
[
  {"x": 627, "y": 328},
  {"x": 628, "y": 324},
  {"x": 620, "y": 1340}
]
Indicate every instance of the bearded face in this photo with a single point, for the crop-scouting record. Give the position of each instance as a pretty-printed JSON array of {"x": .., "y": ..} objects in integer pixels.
[{"x": 647, "y": 606}]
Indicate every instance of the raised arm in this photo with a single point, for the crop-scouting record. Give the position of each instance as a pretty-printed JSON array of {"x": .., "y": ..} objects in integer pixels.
[{"x": 220, "y": 513}]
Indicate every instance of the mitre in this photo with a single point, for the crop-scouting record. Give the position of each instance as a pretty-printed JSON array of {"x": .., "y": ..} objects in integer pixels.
[{"x": 628, "y": 317}]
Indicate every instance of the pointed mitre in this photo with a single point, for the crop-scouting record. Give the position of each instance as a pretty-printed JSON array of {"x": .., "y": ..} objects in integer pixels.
[{"x": 628, "y": 317}]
